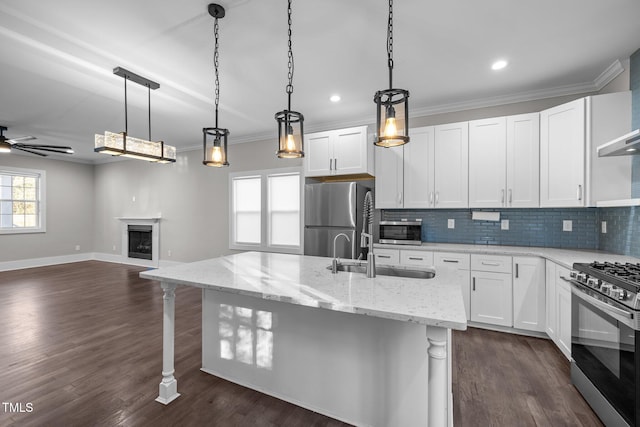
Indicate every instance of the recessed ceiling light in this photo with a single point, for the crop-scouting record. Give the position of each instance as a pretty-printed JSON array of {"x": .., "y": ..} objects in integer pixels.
[
  {"x": 631, "y": 150},
  {"x": 334, "y": 98},
  {"x": 499, "y": 65}
]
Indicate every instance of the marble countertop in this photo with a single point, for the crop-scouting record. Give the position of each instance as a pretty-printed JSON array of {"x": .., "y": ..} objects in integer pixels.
[
  {"x": 565, "y": 257},
  {"x": 305, "y": 280}
]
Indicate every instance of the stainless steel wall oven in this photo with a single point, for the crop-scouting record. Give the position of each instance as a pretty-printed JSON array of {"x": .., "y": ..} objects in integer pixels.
[{"x": 605, "y": 341}]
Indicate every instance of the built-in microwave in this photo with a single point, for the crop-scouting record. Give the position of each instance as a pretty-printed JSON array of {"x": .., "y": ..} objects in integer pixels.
[{"x": 401, "y": 232}]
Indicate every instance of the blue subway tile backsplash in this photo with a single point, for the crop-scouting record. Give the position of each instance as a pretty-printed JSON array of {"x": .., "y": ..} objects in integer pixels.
[{"x": 533, "y": 227}]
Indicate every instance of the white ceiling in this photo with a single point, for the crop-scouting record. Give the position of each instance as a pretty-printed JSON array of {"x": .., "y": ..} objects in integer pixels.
[{"x": 57, "y": 57}]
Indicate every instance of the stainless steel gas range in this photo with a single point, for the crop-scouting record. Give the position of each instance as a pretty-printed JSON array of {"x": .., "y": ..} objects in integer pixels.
[{"x": 605, "y": 339}]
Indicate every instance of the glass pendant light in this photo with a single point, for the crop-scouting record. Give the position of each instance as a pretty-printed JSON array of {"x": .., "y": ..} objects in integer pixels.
[
  {"x": 215, "y": 150},
  {"x": 392, "y": 115},
  {"x": 290, "y": 129}
]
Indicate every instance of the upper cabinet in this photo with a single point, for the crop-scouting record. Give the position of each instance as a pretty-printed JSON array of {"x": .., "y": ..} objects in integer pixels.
[
  {"x": 571, "y": 173},
  {"x": 338, "y": 152},
  {"x": 449, "y": 188},
  {"x": 503, "y": 162},
  {"x": 403, "y": 172}
]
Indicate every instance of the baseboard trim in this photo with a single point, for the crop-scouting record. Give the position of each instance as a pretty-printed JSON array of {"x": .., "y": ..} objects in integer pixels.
[
  {"x": 66, "y": 259},
  {"x": 41, "y": 262}
]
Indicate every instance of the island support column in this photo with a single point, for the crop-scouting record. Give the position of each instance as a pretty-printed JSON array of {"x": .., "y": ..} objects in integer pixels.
[
  {"x": 438, "y": 399},
  {"x": 169, "y": 385}
]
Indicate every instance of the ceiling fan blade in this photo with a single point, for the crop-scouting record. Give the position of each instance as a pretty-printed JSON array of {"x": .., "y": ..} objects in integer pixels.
[
  {"x": 50, "y": 148},
  {"x": 28, "y": 151},
  {"x": 22, "y": 138}
]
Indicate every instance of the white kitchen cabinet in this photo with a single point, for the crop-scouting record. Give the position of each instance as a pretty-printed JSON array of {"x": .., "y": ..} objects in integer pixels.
[
  {"x": 461, "y": 263},
  {"x": 491, "y": 290},
  {"x": 416, "y": 258},
  {"x": 386, "y": 256},
  {"x": 450, "y": 166},
  {"x": 389, "y": 177},
  {"x": 338, "y": 152},
  {"x": 558, "y": 305},
  {"x": 529, "y": 293},
  {"x": 503, "y": 161},
  {"x": 403, "y": 173},
  {"x": 571, "y": 173}
]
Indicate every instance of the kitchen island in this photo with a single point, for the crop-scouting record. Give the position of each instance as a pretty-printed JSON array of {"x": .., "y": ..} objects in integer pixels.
[{"x": 366, "y": 351}]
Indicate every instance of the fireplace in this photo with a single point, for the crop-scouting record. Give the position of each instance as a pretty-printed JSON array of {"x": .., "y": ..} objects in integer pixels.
[{"x": 140, "y": 241}]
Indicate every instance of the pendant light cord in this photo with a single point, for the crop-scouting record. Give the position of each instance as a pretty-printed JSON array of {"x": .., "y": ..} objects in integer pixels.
[
  {"x": 215, "y": 65},
  {"x": 290, "y": 63},
  {"x": 390, "y": 43}
]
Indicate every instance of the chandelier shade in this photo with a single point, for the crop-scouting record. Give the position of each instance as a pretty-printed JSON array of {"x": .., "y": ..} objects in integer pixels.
[{"x": 120, "y": 144}]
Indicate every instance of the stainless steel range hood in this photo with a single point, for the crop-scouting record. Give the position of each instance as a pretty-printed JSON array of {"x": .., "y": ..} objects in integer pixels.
[{"x": 626, "y": 145}]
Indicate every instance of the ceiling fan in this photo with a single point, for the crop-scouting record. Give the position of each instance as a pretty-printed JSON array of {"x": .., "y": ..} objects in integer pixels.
[{"x": 8, "y": 144}]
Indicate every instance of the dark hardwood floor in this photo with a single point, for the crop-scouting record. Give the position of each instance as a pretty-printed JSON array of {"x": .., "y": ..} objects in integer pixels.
[{"x": 82, "y": 344}]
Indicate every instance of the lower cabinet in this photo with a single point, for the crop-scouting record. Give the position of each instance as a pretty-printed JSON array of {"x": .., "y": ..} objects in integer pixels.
[
  {"x": 386, "y": 256},
  {"x": 461, "y": 263},
  {"x": 558, "y": 303},
  {"x": 529, "y": 293},
  {"x": 491, "y": 290}
]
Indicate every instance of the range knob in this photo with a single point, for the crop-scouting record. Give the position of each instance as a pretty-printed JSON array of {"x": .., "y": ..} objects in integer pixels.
[
  {"x": 594, "y": 283},
  {"x": 617, "y": 293},
  {"x": 582, "y": 277},
  {"x": 606, "y": 288}
]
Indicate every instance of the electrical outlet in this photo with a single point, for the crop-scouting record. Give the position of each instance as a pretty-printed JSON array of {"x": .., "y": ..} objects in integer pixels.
[
  {"x": 504, "y": 224},
  {"x": 133, "y": 199},
  {"x": 169, "y": 252},
  {"x": 114, "y": 248},
  {"x": 603, "y": 227},
  {"x": 77, "y": 247},
  {"x": 567, "y": 225},
  {"x": 451, "y": 223}
]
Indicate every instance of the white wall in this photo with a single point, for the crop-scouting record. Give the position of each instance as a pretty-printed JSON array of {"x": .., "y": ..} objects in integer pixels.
[
  {"x": 193, "y": 199},
  {"x": 69, "y": 216}
]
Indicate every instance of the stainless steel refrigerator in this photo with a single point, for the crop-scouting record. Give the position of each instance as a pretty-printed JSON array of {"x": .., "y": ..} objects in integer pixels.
[{"x": 330, "y": 209}]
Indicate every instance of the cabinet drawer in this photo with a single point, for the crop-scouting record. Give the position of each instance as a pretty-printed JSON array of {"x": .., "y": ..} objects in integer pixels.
[
  {"x": 494, "y": 263},
  {"x": 452, "y": 259},
  {"x": 417, "y": 258},
  {"x": 387, "y": 256}
]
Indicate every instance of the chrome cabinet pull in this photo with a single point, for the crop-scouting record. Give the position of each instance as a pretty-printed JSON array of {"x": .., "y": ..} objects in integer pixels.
[
  {"x": 335, "y": 164},
  {"x": 495, "y": 264},
  {"x": 437, "y": 198},
  {"x": 474, "y": 283},
  {"x": 400, "y": 198},
  {"x": 510, "y": 196},
  {"x": 330, "y": 164},
  {"x": 383, "y": 256},
  {"x": 579, "y": 191},
  {"x": 502, "y": 198},
  {"x": 430, "y": 198},
  {"x": 516, "y": 270},
  {"x": 415, "y": 258},
  {"x": 450, "y": 260}
]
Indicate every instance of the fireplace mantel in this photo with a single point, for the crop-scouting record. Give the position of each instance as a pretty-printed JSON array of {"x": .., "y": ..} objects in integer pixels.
[{"x": 140, "y": 218}]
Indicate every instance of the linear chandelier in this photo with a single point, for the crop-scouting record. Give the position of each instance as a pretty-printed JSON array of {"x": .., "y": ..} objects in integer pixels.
[
  {"x": 392, "y": 112},
  {"x": 120, "y": 144},
  {"x": 215, "y": 154}
]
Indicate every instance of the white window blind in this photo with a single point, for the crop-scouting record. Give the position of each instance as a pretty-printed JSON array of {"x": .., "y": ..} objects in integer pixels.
[{"x": 266, "y": 210}]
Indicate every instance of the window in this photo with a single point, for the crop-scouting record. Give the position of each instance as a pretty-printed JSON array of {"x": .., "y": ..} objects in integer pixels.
[
  {"x": 265, "y": 210},
  {"x": 22, "y": 201}
]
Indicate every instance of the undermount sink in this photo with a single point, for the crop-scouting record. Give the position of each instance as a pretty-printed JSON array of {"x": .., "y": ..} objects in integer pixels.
[{"x": 388, "y": 271}]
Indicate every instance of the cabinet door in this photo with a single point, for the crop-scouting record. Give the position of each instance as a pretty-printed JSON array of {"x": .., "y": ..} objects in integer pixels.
[
  {"x": 562, "y": 155},
  {"x": 523, "y": 161},
  {"x": 389, "y": 177},
  {"x": 491, "y": 298},
  {"x": 550, "y": 284},
  {"x": 487, "y": 163},
  {"x": 563, "y": 311},
  {"x": 451, "y": 165},
  {"x": 529, "y": 293},
  {"x": 350, "y": 151},
  {"x": 418, "y": 172},
  {"x": 318, "y": 157},
  {"x": 460, "y": 262},
  {"x": 386, "y": 256}
]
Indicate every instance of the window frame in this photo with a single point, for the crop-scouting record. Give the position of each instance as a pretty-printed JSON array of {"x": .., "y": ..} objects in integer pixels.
[
  {"x": 265, "y": 213},
  {"x": 41, "y": 199}
]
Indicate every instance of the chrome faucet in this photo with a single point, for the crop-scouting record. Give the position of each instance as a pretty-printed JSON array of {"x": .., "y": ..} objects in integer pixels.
[
  {"x": 366, "y": 238},
  {"x": 334, "y": 263}
]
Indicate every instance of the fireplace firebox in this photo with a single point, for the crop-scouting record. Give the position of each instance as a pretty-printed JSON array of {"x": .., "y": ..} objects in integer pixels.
[{"x": 140, "y": 241}]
